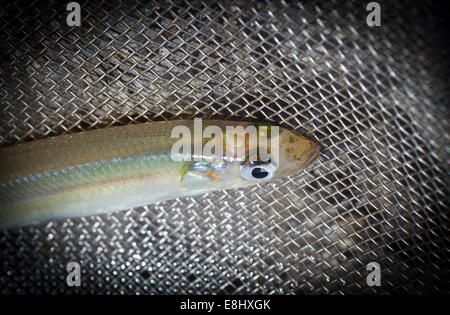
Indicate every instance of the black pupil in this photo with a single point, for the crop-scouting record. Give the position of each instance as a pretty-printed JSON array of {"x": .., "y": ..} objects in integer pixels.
[{"x": 259, "y": 173}]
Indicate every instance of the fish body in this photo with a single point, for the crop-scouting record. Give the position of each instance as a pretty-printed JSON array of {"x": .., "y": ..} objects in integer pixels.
[{"x": 107, "y": 170}]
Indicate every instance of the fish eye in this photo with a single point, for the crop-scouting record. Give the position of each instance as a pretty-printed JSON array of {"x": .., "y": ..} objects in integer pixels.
[{"x": 257, "y": 171}]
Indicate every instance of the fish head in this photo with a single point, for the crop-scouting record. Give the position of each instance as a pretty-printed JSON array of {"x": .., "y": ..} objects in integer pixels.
[
  {"x": 287, "y": 154},
  {"x": 276, "y": 153},
  {"x": 296, "y": 152}
]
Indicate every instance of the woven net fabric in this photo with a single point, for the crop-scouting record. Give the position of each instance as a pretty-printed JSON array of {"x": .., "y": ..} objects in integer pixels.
[{"x": 374, "y": 98}]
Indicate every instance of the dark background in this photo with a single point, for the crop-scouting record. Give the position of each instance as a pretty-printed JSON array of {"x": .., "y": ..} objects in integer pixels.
[{"x": 375, "y": 99}]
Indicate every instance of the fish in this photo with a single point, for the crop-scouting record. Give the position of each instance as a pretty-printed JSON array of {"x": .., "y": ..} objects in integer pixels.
[{"x": 111, "y": 169}]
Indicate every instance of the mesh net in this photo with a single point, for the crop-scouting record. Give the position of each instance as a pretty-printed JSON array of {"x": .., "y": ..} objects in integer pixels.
[{"x": 374, "y": 98}]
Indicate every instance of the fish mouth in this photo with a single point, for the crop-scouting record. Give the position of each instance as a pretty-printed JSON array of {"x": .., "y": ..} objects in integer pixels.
[{"x": 313, "y": 157}]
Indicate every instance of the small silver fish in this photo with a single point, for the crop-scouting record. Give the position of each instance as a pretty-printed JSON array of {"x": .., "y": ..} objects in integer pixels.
[{"x": 107, "y": 170}]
